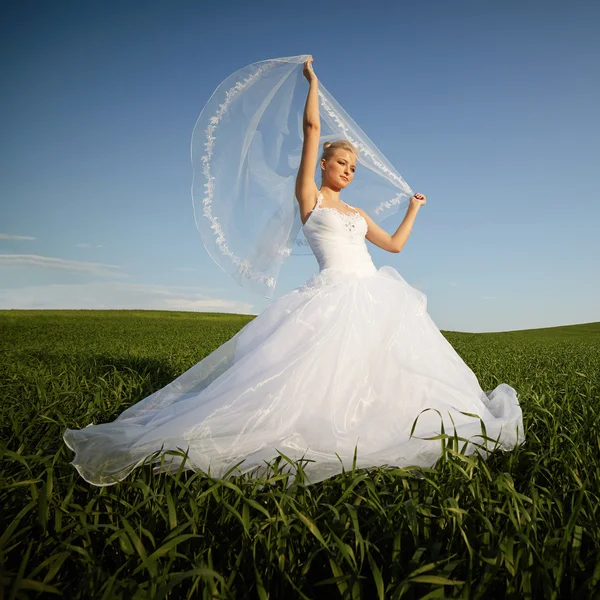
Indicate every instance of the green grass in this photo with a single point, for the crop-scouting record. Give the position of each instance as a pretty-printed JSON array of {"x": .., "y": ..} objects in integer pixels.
[{"x": 523, "y": 524}]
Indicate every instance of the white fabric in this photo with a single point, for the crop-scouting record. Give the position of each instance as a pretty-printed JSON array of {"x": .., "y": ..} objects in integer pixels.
[
  {"x": 349, "y": 358},
  {"x": 246, "y": 149}
]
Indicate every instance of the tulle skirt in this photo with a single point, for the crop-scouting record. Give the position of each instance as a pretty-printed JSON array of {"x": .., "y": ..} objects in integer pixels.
[{"x": 345, "y": 362}]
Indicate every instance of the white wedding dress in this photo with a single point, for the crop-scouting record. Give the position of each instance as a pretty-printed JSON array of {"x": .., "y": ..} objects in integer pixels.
[{"x": 350, "y": 358}]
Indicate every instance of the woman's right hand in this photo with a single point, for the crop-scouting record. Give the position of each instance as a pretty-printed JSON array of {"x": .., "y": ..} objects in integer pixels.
[{"x": 308, "y": 70}]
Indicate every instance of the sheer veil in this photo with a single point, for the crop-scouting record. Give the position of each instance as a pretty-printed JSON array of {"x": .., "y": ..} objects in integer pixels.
[{"x": 245, "y": 149}]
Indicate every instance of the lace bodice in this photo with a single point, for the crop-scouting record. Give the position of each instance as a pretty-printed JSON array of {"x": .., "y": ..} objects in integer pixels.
[
  {"x": 349, "y": 218},
  {"x": 337, "y": 238}
]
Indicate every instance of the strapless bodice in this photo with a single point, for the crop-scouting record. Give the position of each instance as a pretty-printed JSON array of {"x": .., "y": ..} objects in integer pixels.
[{"x": 337, "y": 239}]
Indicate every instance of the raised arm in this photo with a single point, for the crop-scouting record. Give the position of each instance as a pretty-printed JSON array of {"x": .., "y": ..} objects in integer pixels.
[
  {"x": 306, "y": 188},
  {"x": 395, "y": 242}
]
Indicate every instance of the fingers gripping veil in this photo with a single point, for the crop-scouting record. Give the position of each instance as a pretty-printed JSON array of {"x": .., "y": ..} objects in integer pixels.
[{"x": 246, "y": 148}]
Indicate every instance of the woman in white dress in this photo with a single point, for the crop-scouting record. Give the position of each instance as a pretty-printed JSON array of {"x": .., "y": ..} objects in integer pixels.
[{"x": 348, "y": 361}]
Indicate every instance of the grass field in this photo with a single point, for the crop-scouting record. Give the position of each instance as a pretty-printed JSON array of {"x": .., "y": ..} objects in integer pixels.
[{"x": 524, "y": 524}]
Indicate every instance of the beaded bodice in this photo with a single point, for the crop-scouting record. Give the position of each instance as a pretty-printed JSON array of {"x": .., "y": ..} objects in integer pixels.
[{"x": 337, "y": 238}]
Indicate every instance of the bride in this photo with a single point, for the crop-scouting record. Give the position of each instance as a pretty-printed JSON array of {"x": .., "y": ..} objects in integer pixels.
[{"x": 350, "y": 360}]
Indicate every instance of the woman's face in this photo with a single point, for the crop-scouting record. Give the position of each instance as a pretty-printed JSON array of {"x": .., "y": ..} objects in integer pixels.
[{"x": 339, "y": 168}]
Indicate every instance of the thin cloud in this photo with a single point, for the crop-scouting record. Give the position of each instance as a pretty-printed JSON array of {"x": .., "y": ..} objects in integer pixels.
[
  {"x": 83, "y": 245},
  {"x": 453, "y": 283},
  {"x": 61, "y": 264},
  {"x": 18, "y": 238},
  {"x": 117, "y": 295}
]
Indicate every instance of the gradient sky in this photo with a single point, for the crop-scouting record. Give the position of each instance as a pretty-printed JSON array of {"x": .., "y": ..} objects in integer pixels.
[{"x": 488, "y": 108}]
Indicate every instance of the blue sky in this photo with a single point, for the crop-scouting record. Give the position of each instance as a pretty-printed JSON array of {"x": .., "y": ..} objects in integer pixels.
[{"x": 488, "y": 108}]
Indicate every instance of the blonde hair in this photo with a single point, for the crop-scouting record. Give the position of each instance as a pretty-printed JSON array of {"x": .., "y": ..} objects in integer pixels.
[{"x": 329, "y": 148}]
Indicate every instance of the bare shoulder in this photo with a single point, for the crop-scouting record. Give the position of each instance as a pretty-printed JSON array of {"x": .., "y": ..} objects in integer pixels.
[
  {"x": 362, "y": 213},
  {"x": 374, "y": 229}
]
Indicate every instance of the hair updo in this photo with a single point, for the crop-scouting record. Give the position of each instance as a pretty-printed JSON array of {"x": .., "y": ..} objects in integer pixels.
[{"x": 329, "y": 148}]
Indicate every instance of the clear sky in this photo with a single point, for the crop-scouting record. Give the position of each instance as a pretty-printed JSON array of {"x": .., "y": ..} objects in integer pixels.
[{"x": 491, "y": 109}]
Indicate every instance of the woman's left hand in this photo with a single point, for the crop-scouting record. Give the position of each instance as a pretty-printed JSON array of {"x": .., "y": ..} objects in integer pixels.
[{"x": 418, "y": 200}]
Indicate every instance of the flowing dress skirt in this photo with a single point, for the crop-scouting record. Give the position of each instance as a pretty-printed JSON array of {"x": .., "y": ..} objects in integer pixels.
[{"x": 343, "y": 361}]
